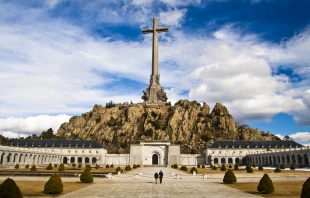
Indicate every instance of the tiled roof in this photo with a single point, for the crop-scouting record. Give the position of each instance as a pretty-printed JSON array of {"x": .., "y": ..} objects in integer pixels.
[
  {"x": 255, "y": 144},
  {"x": 55, "y": 143}
]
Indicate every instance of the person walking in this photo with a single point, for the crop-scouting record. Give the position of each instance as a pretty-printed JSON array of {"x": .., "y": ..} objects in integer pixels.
[
  {"x": 161, "y": 175},
  {"x": 156, "y": 177}
]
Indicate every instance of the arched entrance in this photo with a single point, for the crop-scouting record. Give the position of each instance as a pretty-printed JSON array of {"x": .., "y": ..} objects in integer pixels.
[{"x": 155, "y": 159}]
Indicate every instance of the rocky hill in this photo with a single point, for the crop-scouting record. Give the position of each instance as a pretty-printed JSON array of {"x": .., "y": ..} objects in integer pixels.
[{"x": 186, "y": 123}]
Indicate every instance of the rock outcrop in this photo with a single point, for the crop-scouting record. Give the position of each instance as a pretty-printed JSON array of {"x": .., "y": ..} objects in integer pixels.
[{"x": 189, "y": 124}]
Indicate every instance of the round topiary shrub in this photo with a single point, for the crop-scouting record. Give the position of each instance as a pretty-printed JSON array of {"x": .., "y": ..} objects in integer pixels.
[
  {"x": 27, "y": 166},
  {"x": 254, "y": 165},
  {"x": 183, "y": 168},
  {"x": 9, "y": 189},
  {"x": 198, "y": 166},
  {"x": 16, "y": 166},
  {"x": 203, "y": 166},
  {"x": 214, "y": 167},
  {"x": 305, "y": 192},
  {"x": 49, "y": 167},
  {"x": 86, "y": 176},
  {"x": 119, "y": 168},
  {"x": 97, "y": 166},
  {"x": 54, "y": 185},
  {"x": 249, "y": 169},
  {"x": 211, "y": 166},
  {"x": 134, "y": 166},
  {"x": 80, "y": 166},
  {"x": 175, "y": 166},
  {"x": 88, "y": 166},
  {"x": 33, "y": 168},
  {"x": 260, "y": 167},
  {"x": 127, "y": 168},
  {"x": 223, "y": 168},
  {"x": 194, "y": 169},
  {"x": 61, "y": 167},
  {"x": 73, "y": 165},
  {"x": 293, "y": 167},
  {"x": 229, "y": 177},
  {"x": 282, "y": 166},
  {"x": 112, "y": 166},
  {"x": 107, "y": 166},
  {"x": 265, "y": 185},
  {"x": 230, "y": 166},
  {"x": 138, "y": 166},
  {"x": 277, "y": 170},
  {"x": 236, "y": 167},
  {"x": 55, "y": 165}
]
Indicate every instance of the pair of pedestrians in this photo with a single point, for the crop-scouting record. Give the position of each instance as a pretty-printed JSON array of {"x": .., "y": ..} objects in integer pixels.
[{"x": 160, "y": 175}]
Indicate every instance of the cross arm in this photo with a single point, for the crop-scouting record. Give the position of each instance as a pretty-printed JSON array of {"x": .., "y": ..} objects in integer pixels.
[
  {"x": 162, "y": 29},
  {"x": 148, "y": 31}
]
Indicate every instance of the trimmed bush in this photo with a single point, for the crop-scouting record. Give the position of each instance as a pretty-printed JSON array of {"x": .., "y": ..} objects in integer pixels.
[
  {"x": 203, "y": 166},
  {"x": 49, "y": 167},
  {"x": 16, "y": 166},
  {"x": 127, "y": 168},
  {"x": 9, "y": 189},
  {"x": 229, "y": 177},
  {"x": 86, "y": 176},
  {"x": 214, "y": 167},
  {"x": 107, "y": 166},
  {"x": 80, "y": 166},
  {"x": 54, "y": 185},
  {"x": 61, "y": 167},
  {"x": 88, "y": 166},
  {"x": 305, "y": 192},
  {"x": 211, "y": 166},
  {"x": 265, "y": 185},
  {"x": 254, "y": 165},
  {"x": 260, "y": 167},
  {"x": 293, "y": 167},
  {"x": 282, "y": 166},
  {"x": 230, "y": 166},
  {"x": 27, "y": 166},
  {"x": 194, "y": 169},
  {"x": 112, "y": 166},
  {"x": 175, "y": 166},
  {"x": 236, "y": 167},
  {"x": 198, "y": 166},
  {"x": 55, "y": 165},
  {"x": 134, "y": 166},
  {"x": 223, "y": 168},
  {"x": 97, "y": 166},
  {"x": 33, "y": 168},
  {"x": 73, "y": 165},
  {"x": 138, "y": 166},
  {"x": 119, "y": 168},
  {"x": 249, "y": 169},
  {"x": 183, "y": 168},
  {"x": 277, "y": 170}
]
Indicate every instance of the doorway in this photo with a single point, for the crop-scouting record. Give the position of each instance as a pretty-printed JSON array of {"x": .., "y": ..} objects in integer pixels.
[{"x": 155, "y": 159}]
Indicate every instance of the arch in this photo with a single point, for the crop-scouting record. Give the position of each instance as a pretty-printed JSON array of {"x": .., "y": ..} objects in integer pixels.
[
  {"x": 278, "y": 160},
  {"x": 79, "y": 160},
  {"x": 244, "y": 160},
  {"x": 306, "y": 160},
  {"x": 155, "y": 159},
  {"x": 237, "y": 160},
  {"x": 299, "y": 159},
  {"x": 65, "y": 160},
  {"x": 288, "y": 159},
  {"x": 93, "y": 160},
  {"x": 2, "y": 158},
  {"x": 223, "y": 160},
  {"x": 216, "y": 160},
  {"x": 72, "y": 160},
  {"x": 15, "y": 158},
  {"x": 230, "y": 161},
  {"x": 274, "y": 161},
  {"x": 293, "y": 159},
  {"x": 270, "y": 161},
  {"x": 283, "y": 159},
  {"x": 86, "y": 160}
]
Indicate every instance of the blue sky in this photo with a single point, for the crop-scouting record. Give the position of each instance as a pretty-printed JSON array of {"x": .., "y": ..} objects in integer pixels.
[{"x": 60, "y": 57}]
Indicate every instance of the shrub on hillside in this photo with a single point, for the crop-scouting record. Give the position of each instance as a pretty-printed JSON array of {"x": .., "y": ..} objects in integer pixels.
[
  {"x": 229, "y": 177},
  {"x": 33, "y": 168},
  {"x": 27, "y": 166},
  {"x": 107, "y": 166},
  {"x": 49, "y": 167},
  {"x": 194, "y": 169},
  {"x": 293, "y": 167},
  {"x": 282, "y": 166},
  {"x": 223, "y": 168},
  {"x": 265, "y": 185},
  {"x": 236, "y": 167},
  {"x": 305, "y": 192},
  {"x": 277, "y": 170},
  {"x": 203, "y": 166},
  {"x": 9, "y": 189},
  {"x": 86, "y": 176},
  {"x": 249, "y": 169},
  {"x": 16, "y": 166},
  {"x": 260, "y": 167},
  {"x": 61, "y": 167},
  {"x": 214, "y": 167},
  {"x": 54, "y": 185}
]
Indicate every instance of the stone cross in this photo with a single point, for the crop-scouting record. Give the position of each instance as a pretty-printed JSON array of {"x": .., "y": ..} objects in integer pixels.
[
  {"x": 155, "y": 93},
  {"x": 155, "y": 30}
]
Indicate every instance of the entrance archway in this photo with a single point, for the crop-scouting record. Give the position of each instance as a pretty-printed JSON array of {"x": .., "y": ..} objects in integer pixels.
[{"x": 155, "y": 159}]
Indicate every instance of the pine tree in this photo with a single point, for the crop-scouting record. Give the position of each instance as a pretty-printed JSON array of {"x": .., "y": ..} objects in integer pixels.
[
  {"x": 229, "y": 177},
  {"x": 86, "y": 176},
  {"x": 54, "y": 185},
  {"x": 9, "y": 189},
  {"x": 265, "y": 185},
  {"x": 305, "y": 192}
]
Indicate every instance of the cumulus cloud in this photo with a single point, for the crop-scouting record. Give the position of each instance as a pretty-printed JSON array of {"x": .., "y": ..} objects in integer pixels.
[
  {"x": 172, "y": 18},
  {"x": 12, "y": 127},
  {"x": 298, "y": 136}
]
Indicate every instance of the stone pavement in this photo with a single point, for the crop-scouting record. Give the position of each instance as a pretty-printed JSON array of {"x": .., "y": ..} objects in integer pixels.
[{"x": 132, "y": 185}]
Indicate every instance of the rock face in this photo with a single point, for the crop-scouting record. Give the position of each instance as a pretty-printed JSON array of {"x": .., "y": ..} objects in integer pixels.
[{"x": 186, "y": 123}]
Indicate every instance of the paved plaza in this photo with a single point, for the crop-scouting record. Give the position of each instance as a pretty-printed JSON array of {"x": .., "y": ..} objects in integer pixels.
[{"x": 132, "y": 185}]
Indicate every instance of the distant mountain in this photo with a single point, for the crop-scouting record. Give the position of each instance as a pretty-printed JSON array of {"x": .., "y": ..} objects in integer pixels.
[{"x": 186, "y": 123}]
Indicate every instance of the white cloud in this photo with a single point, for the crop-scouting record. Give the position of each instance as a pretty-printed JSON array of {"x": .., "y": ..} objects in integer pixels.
[
  {"x": 172, "y": 18},
  {"x": 298, "y": 136},
  {"x": 31, "y": 125}
]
